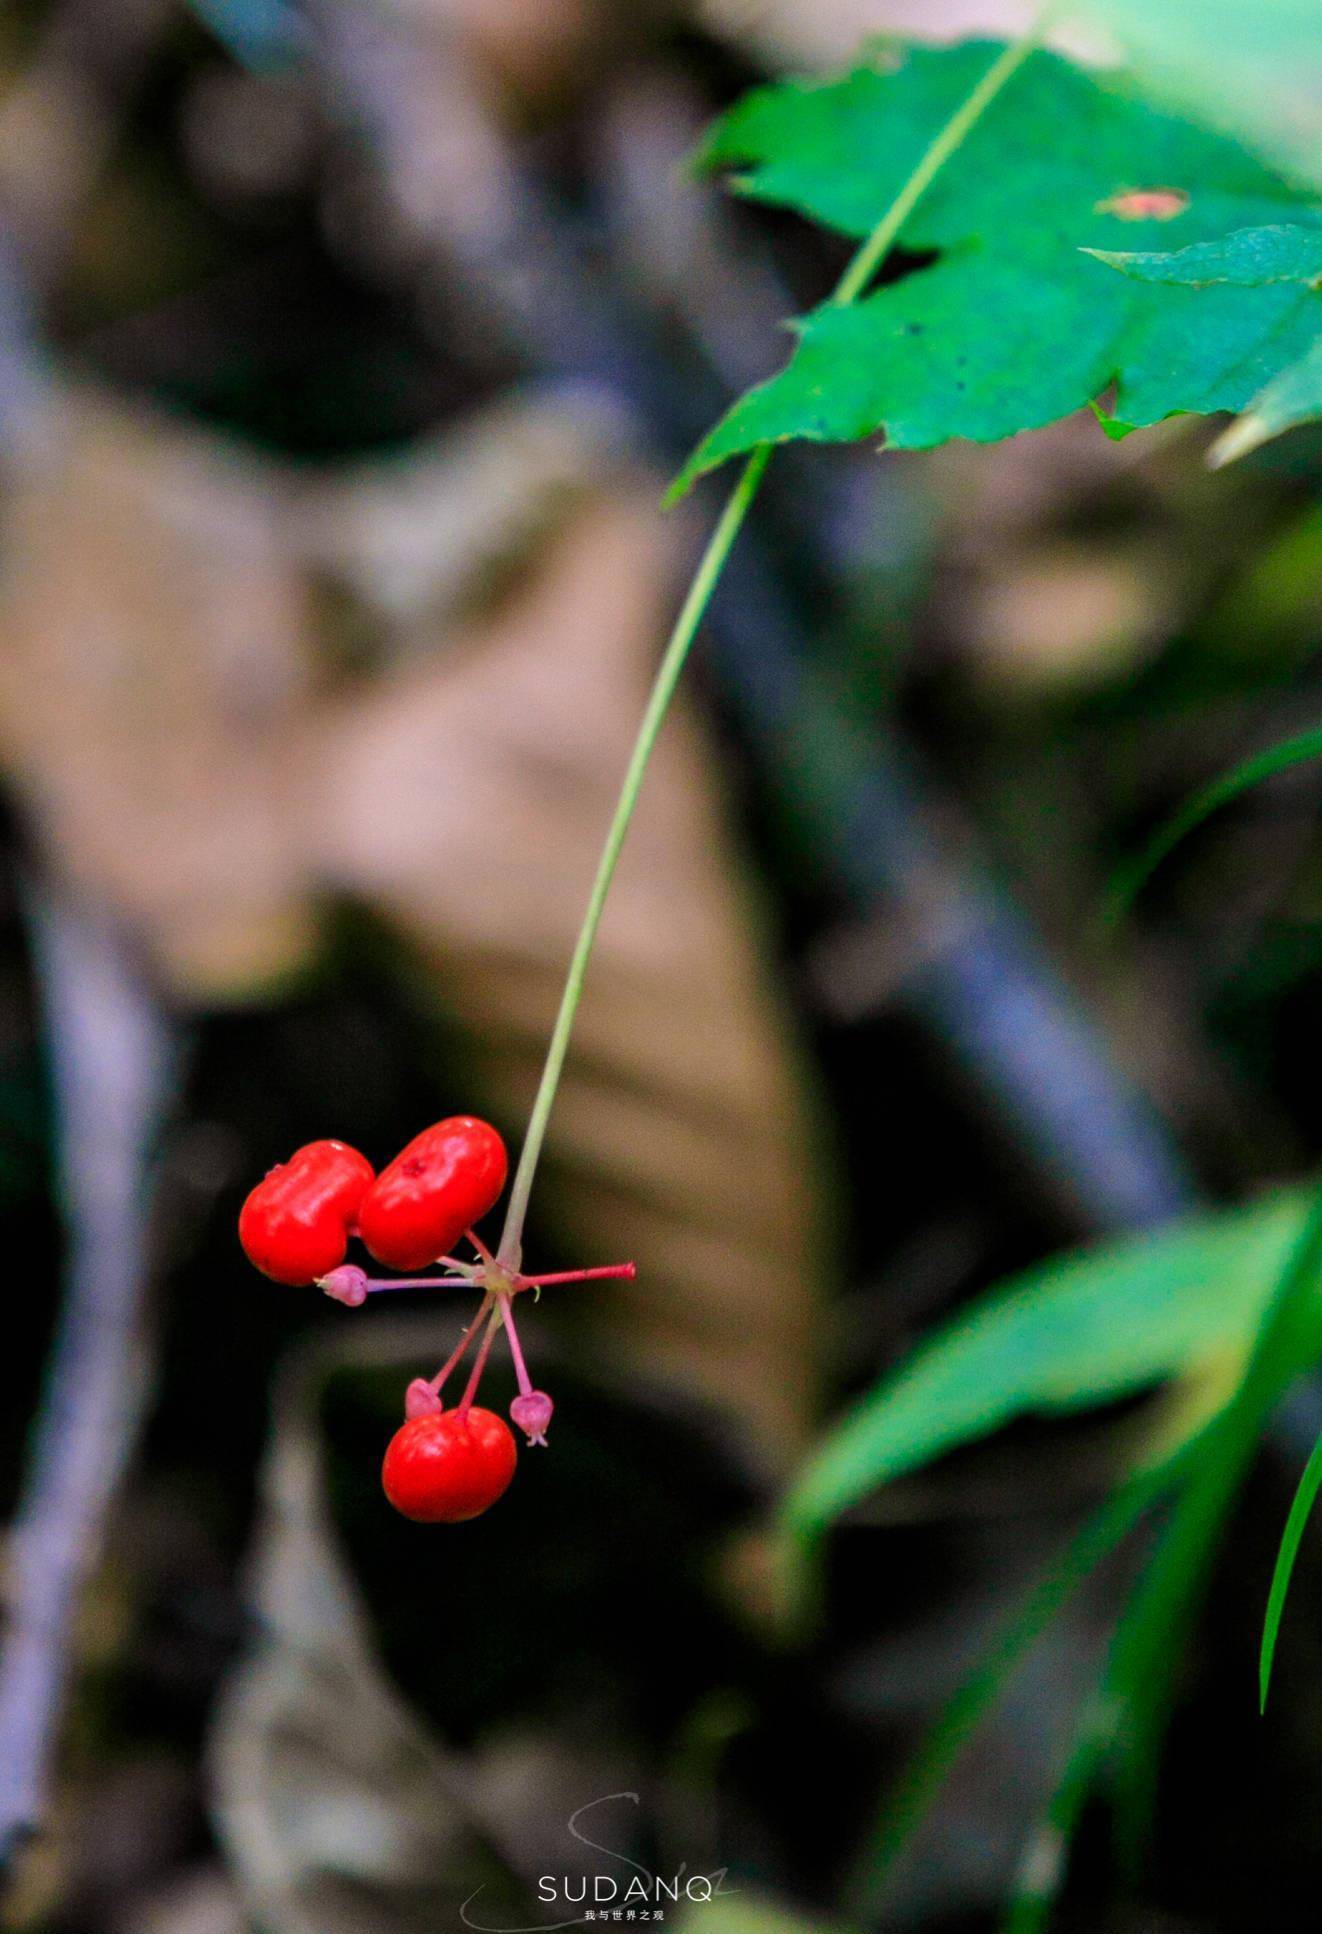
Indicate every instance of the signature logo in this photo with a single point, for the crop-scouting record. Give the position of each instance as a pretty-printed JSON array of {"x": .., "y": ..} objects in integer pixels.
[{"x": 639, "y": 1895}]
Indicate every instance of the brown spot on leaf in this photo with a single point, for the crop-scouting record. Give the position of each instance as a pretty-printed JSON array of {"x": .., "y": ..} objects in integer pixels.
[
  {"x": 884, "y": 56},
  {"x": 1145, "y": 204}
]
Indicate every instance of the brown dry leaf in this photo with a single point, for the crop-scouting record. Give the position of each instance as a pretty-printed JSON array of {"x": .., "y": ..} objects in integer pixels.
[
  {"x": 417, "y": 537},
  {"x": 532, "y": 48},
  {"x": 154, "y": 659},
  {"x": 159, "y": 652},
  {"x": 161, "y": 713}
]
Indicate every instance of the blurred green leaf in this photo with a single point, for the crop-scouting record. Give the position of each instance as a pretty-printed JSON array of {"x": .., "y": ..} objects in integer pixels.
[
  {"x": 747, "y": 1913},
  {"x": 1126, "y": 1718},
  {"x": 1297, "y": 751},
  {"x": 1291, "y": 398},
  {"x": 1088, "y": 1329},
  {"x": 1129, "y": 1717},
  {"x": 1253, "y": 67},
  {"x": 1013, "y": 324}
]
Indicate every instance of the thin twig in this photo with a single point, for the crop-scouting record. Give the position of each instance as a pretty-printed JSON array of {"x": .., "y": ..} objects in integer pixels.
[{"x": 111, "y": 1062}]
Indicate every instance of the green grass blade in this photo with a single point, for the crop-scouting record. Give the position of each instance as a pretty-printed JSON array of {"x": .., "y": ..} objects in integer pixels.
[
  {"x": 1044, "y": 1864},
  {"x": 1208, "y": 1471},
  {"x": 1151, "y": 1636},
  {"x": 905, "y": 1808},
  {"x": 1131, "y": 879},
  {"x": 1161, "y": 1600},
  {"x": 1309, "y": 1485},
  {"x": 1133, "y": 1702},
  {"x": 1179, "y": 1573},
  {"x": 1143, "y": 1675}
]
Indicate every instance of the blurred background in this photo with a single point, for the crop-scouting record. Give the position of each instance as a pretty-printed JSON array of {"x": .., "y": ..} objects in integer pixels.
[{"x": 344, "y": 353}]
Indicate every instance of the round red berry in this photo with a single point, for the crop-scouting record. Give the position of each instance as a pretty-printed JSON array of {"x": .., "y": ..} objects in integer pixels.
[
  {"x": 443, "y": 1468},
  {"x": 441, "y": 1184},
  {"x": 295, "y": 1225}
]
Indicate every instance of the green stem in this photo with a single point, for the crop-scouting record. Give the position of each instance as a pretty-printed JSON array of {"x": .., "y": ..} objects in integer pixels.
[
  {"x": 952, "y": 136},
  {"x": 658, "y": 703},
  {"x": 852, "y": 284}
]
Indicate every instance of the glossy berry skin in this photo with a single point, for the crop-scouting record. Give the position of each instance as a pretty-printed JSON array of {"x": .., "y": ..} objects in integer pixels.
[
  {"x": 442, "y": 1468},
  {"x": 295, "y": 1225},
  {"x": 441, "y": 1184}
]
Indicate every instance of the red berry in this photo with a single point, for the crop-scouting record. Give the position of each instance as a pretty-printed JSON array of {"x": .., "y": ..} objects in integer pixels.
[
  {"x": 441, "y": 1184},
  {"x": 295, "y": 1224},
  {"x": 442, "y": 1468}
]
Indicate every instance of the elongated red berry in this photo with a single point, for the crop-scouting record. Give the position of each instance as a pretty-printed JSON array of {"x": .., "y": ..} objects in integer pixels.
[
  {"x": 441, "y": 1184},
  {"x": 444, "y": 1467},
  {"x": 295, "y": 1224}
]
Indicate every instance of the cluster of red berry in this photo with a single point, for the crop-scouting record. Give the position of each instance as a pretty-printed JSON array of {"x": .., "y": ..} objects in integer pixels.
[{"x": 442, "y": 1466}]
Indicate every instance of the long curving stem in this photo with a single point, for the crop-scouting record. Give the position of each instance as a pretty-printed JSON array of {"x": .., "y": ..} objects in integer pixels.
[
  {"x": 864, "y": 265},
  {"x": 852, "y": 284},
  {"x": 704, "y": 583}
]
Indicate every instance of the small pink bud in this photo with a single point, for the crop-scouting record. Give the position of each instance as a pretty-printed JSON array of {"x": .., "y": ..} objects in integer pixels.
[
  {"x": 347, "y": 1284},
  {"x": 420, "y": 1400},
  {"x": 533, "y": 1415}
]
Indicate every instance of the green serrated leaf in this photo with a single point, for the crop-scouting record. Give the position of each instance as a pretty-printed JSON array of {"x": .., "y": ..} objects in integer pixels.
[
  {"x": 1086, "y": 1329},
  {"x": 1248, "y": 258},
  {"x": 1292, "y": 398},
  {"x": 1011, "y": 324}
]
